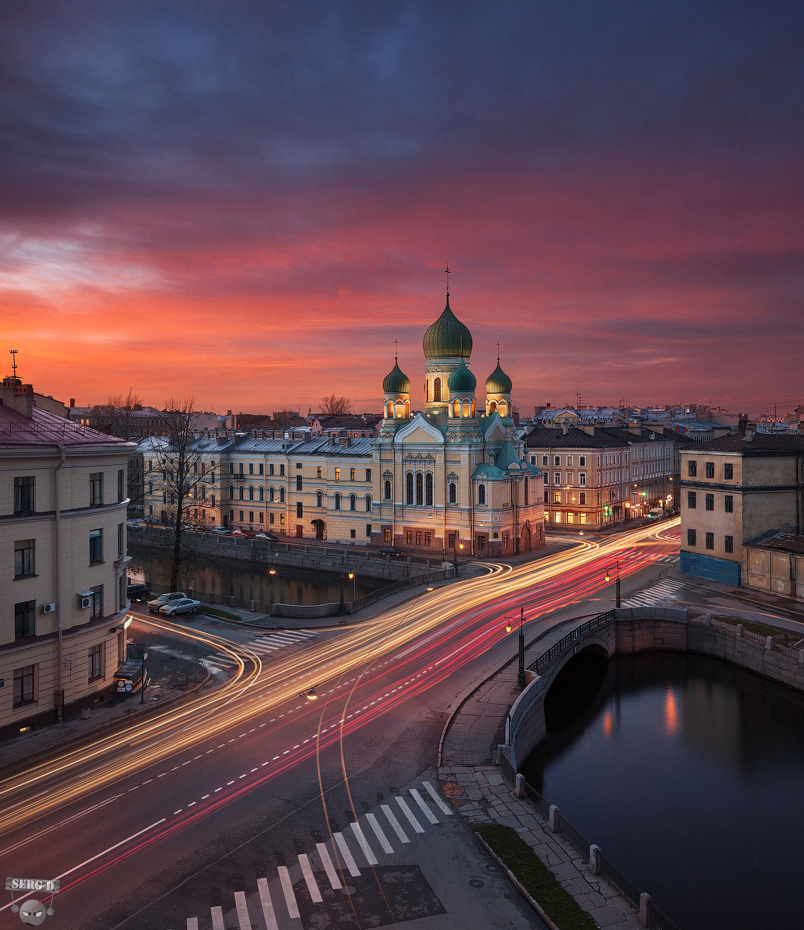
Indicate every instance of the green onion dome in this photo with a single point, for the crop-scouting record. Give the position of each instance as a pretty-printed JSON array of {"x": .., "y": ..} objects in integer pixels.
[
  {"x": 498, "y": 382},
  {"x": 447, "y": 337},
  {"x": 461, "y": 381},
  {"x": 396, "y": 381}
]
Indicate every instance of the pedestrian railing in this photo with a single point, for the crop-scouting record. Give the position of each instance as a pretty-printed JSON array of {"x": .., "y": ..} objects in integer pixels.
[{"x": 570, "y": 639}]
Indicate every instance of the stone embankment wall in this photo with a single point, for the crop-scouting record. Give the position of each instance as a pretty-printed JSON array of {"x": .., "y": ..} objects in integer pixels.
[{"x": 648, "y": 629}]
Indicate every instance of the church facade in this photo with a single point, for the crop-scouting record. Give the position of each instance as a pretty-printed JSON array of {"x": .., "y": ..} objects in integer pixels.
[{"x": 453, "y": 477}]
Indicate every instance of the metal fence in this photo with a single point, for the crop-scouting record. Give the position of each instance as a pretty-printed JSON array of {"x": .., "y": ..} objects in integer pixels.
[
  {"x": 659, "y": 920},
  {"x": 506, "y": 769},
  {"x": 373, "y": 596},
  {"x": 573, "y": 636}
]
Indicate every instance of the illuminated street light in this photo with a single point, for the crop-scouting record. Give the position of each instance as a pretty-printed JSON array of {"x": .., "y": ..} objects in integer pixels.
[
  {"x": 617, "y": 587},
  {"x": 520, "y": 678}
]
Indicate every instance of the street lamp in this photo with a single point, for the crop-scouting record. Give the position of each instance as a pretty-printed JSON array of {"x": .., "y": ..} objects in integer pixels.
[
  {"x": 455, "y": 554},
  {"x": 342, "y": 604},
  {"x": 520, "y": 678},
  {"x": 353, "y": 579},
  {"x": 617, "y": 583}
]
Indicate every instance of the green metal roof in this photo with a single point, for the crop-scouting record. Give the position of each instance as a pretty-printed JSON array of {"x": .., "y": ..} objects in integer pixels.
[
  {"x": 396, "y": 381},
  {"x": 498, "y": 382},
  {"x": 461, "y": 381},
  {"x": 447, "y": 337}
]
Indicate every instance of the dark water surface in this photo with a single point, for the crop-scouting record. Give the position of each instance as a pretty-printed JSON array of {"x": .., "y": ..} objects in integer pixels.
[
  {"x": 227, "y": 577},
  {"x": 689, "y": 774}
]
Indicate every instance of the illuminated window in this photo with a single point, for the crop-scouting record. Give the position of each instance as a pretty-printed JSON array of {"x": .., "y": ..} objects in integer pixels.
[
  {"x": 337, "y": 474},
  {"x": 436, "y": 389},
  {"x": 352, "y": 472}
]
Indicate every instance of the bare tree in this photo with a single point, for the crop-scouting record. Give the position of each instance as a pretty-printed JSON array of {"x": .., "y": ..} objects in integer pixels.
[
  {"x": 178, "y": 458},
  {"x": 121, "y": 409},
  {"x": 335, "y": 406}
]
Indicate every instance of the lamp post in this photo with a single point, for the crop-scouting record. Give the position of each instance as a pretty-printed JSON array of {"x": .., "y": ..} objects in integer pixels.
[
  {"x": 455, "y": 554},
  {"x": 353, "y": 579},
  {"x": 520, "y": 678},
  {"x": 617, "y": 584},
  {"x": 142, "y": 689},
  {"x": 342, "y": 604}
]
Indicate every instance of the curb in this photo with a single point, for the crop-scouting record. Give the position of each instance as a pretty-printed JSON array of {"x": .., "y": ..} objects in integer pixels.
[{"x": 517, "y": 884}]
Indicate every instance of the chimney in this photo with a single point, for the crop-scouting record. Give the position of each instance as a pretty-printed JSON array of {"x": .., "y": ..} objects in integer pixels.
[
  {"x": 23, "y": 401},
  {"x": 330, "y": 440},
  {"x": 72, "y": 402},
  {"x": 635, "y": 427},
  {"x": 564, "y": 428},
  {"x": 589, "y": 429}
]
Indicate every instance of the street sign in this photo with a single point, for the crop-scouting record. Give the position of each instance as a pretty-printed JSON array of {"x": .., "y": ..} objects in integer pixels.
[{"x": 129, "y": 686}]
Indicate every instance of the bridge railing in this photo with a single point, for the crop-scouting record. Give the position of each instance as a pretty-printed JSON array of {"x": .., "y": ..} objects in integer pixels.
[{"x": 570, "y": 639}]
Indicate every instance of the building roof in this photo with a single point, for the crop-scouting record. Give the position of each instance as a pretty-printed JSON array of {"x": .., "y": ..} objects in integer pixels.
[
  {"x": 556, "y": 438},
  {"x": 461, "y": 381},
  {"x": 783, "y": 540},
  {"x": 498, "y": 382},
  {"x": 46, "y": 429},
  {"x": 396, "y": 381},
  {"x": 758, "y": 444},
  {"x": 447, "y": 337}
]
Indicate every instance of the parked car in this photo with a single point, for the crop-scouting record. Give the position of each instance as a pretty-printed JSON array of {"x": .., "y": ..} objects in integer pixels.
[
  {"x": 138, "y": 591},
  {"x": 185, "y": 605},
  {"x": 243, "y": 534},
  {"x": 656, "y": 514},
  {"x": 136, "y": 524},
  {"x": 392, "y": 550},
  {"x": 221, "y": 531},
  {"x": 267, "y": 536},
  {"x": 156, "y": 605}
]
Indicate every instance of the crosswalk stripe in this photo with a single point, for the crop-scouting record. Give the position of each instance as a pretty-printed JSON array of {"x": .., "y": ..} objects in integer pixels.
[
  {"x": 425, "y": 809},
  {"x": 395, "y": 824},
  {"x": 287, "y": 890},
  {"x": 329, "y": 868},
  {"x": 363, "y": 842},
  {"x": 242, "y": 911},
  {"x": 192, "y": 923},
  {"x": 267, "y": 904},
  {"x": 351, "y": 865},
  {"x": 307, "y": 872},
  {"x": 437, "y": 798},
  {"x": 409, "y": 814},
  {"x": 217, "y": 919},
  {"x": 375, "y": 826}
]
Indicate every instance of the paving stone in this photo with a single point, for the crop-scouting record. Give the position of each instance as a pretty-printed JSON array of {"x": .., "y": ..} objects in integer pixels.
[{"x": 608, "y": 915}]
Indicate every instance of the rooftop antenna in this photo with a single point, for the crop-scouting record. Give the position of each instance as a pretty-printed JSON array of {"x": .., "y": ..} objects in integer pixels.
[
  {"x": 446, "y": 271},
  {"x": 13, "y": 353}
]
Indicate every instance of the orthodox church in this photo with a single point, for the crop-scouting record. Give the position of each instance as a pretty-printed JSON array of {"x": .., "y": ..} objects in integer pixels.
[{"x": 453, "y": 477}]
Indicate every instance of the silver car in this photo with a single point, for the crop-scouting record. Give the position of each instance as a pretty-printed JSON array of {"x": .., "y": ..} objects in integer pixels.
[
  {"x": 184, "y": 606},
  {"x": 156, "y": 605}
]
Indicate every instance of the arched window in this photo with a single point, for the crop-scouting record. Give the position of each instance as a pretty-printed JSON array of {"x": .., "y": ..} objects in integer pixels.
[
  {"x": 419, "y": 489},
  {"x": 409, "y": 488},
  {"x": 251, "y": 494},
  {"x": 231, "y": 492},
  {"x": 453, "y": 492},
  {"x": 337, "y": 501},
  {"x": 503, "y": 409},
  {"x": 368, "y": 503},
  {"x": 240, "y": 492},
  {"x": 436, "y": 389},
  {"x": 319, "y": 499},
  {"x": 262, "y": 493},
  {"x": 281, "y": 495},
  {"x": 526, "y": 490},
  {"x": 271, "y": 493},
  {"x": 353, "y": 502},
  {"x": 456, "y": 408},
  {"x": 427, "y": 390},
  {"x": 492, "y": 406},
  {"x": 481, "y": 494},
  {"x": 387, "y": 491},
  {"x": 389, "y": 409},
  {"x": 428, "y": 489},
  {"x": 407, "y": 409}
]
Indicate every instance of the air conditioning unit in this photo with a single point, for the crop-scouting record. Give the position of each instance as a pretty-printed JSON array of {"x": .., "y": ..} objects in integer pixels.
[
  {"x": 84, "y": 600},
  {"x": 48, "y": 608}
]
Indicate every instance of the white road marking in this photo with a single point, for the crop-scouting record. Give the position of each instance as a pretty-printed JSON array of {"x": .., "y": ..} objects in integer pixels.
[
  {"x": 192, "y": 923},
  {"x": 409, "y": 814},
  {"x": 351, "y": 865},
  {"x": 363, "y": 842},
  {"x": 267, "y": 904},
  {"x": 436, "y": 797},
  {"x": 329, "y": 868},
  {"x": 386, "y": 846},
  {"x": 307, "y": 872},
  {"x": 395, "y": 824},
  {"x": 217, "y": 919},
  {"x": 287, "y": 890},
  {"x": 425, "y": 809},
  {"x": 242, "y": 911}
]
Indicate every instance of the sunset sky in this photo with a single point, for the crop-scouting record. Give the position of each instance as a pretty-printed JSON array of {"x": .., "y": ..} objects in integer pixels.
[{"x": 250, "y": 201}]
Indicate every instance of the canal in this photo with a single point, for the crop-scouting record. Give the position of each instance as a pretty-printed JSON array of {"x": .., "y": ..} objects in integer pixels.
[
  {"x": 689, "y": 775},
  {"x": 289, "y": 585}
]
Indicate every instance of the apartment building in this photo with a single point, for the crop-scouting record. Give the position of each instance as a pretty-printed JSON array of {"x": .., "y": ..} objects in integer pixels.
[
  {"x": 732, "y": 490},
  {"x": 63, "y": 500}
]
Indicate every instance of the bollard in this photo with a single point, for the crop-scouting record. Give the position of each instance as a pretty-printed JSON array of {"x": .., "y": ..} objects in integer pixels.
[
  {"x": 519, "y": 787},
  {"x": 231, "y": 601},
  {"x": 644, "y": 901},
  {"x": 769, "y": 642},
  {"x": 253, "y": 606},
  {"x": 801, "y": 656},
  {"x": 594, "y": 859},
  {"x": 707, "y": 619},
  {"x": 553, "y": 818},
  {"x": 739, "y": 629}
]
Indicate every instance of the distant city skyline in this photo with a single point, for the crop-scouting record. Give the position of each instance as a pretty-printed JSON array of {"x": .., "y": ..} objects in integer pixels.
[{"x": 252, "y": 208}]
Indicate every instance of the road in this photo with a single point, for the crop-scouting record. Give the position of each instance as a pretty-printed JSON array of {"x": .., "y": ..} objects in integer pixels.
[{"x": 227, "y": 810}]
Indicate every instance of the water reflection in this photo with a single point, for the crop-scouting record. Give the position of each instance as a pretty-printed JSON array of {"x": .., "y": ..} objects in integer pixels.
[
  {"x": 227, "y": 577},
  {"x": 686, "y": 772}
]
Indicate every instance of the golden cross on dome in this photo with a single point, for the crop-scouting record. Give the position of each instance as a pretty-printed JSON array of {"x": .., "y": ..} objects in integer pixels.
[
  {"x": 498, "y": 351},
  {"x": 446, "y": 271},
  {"x": 396, "y": 350}
]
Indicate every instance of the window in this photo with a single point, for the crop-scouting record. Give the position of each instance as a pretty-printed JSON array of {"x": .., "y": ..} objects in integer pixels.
[
  {"x": 270, "y": 518},
  {"x": 557, "y": 497},
  {"x": 368, "y": 474},
  {"x": 691, "y": 538},
  {"x": 352, "y": 533},
  {"x": 352, "y": 472},
  {"x": 240, "y": 518},
  {"x": 251, "y": 493},
  {"x": 231, "y": 468},
  {"x": 418, "y": 538},
  {"x": 710, "y": 540},
  {"x": 582, "y": 498},
  {"x": 526, "y": 490},
  {"x": 281, "y": 495},
  {"x": 271, "y": 494},
  {"x": 231, "y": 492},
  {"x": 387, "y": 491},
  {"x": 251, "y": 468},
  {"x": 436, "y": 390},
  {"x": 95, "y": 661},
  {"x": 319, "y": 499},
  {"x": 582, "y": 461},
  {"x": 319, "y": 472},
  {"x": 386, "y": 534},
  {"x": 298, "y": 466},
  {"x": 710, "y": 469},
  {"x": 729, "y": 543},
  {"x": 121, "y": 485},
  {"x": 337, "y": 502},
  {"x": 261, "y": 493},
  {"x": 557, "y": 460},
  {"x": 24, "y": 561},
  {"x": 262, "y": 469},
  {"x": 710, "y": 501},
  {"x": 569, "y": 460},
  {"x": 728, "y": 502},
  {"x": 409, "y": 488},
  {"x": 582, "y": 479},
  {"x": 557, "y": 477},
  {"x": 96, "y": 489},
  {"x": 545, "y": 460},
  {"x": 453, "y": 492},
  {"x": 692, "y": 469},
  {"x": 298, "y": 482},
  {"x": 352, "y": 502},
  {"x": 212, "y": 501},
  {"x": 24, "y": 495},
  {"x": 409, "y": 537},
  {"x": 481, "y": 494},
  {"x": 451, "y": 540},
  {"x": 97, "y": 601},
  {"x": 728, "y": 472},
  {"x": 368, "y": 503},
  {"x": 95, "y": 546},
  {"x": 251, "y": 516},
  {"x": 419, "y": 489},
  {"x": 428, "y": 489},
  {"x": 270, "y": 469},
  {"x": 299, "y": 510},
  {"x": 337, "y": 474},
  {"x": 692, "y": 500},
  {"x": 505, "y": 540},
  {"x": 121, "y": 540},
  {"x": 24, "y": 619},
  {"x": 24, "y": 679},
  {"x": 240, "y": 467}
]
